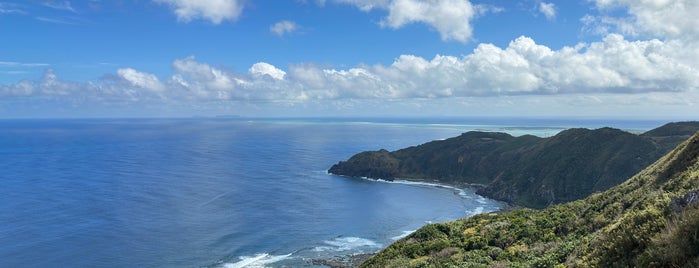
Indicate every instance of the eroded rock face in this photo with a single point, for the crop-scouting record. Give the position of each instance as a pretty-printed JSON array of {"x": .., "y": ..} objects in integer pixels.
[{"x": 680, "y": 204}]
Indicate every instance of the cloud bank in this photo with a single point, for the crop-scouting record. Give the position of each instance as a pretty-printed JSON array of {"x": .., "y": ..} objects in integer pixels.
[
  {"x": 613, "y": 65},
  {"x": 656, "y": 71}
]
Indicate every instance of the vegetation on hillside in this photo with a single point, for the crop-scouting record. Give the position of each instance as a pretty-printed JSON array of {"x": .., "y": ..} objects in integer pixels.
[
  {"x": 650, "y": 220},
  {"x": 527, "y": 170}
]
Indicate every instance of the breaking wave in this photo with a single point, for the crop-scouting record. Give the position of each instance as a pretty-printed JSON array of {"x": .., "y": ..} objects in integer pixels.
[
  {"x": 348, "y": 243},
  {"x": 259, "y": 260}
]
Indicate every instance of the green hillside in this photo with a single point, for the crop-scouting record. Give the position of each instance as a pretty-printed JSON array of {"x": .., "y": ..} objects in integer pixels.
[
  {"x": 528, "y": 171},
  {"x": 671, "y": 134},
  {"x": 650, "y": 220}
]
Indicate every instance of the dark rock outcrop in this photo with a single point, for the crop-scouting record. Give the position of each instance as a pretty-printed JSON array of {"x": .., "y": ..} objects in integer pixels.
[{"x": 680, "y": 204}]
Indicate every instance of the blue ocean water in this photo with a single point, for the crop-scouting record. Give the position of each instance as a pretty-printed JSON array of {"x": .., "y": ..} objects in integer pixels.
[{"x": 228, "y": 192}]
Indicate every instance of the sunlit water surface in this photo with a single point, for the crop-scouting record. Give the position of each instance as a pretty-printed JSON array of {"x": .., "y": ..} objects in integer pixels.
[{"x": 218, "y": 192}]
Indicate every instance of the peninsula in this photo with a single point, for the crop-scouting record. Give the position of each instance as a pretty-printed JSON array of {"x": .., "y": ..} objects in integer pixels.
[{"x": 526, "y": 171}]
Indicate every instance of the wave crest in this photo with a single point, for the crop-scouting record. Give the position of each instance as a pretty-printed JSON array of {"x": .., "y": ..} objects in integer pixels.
[
  {"x": 348, "y": 243},
  {"x": 259, "y": 260}
]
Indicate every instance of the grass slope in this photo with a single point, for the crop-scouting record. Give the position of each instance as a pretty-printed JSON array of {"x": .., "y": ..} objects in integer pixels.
[{"x": 650, "y": 220}]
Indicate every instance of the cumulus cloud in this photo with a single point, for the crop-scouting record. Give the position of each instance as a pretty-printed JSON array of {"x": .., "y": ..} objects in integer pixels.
[
  {"x": 615, "y": 72},
  {"x": 140, "y": 79},
  {"x": 283, "y": 27},
  {"x": 523, "y": 68},
  {"x": 614, "y": 65},
  {"x": 548, "y": 9},
  {"x": 201, "y": 81},
  {"x": 213, "y": 10},
  {"x": 451, "y": 18},
  {"x": 263, "y": 68},
  {"x": 660, "y": 18}
]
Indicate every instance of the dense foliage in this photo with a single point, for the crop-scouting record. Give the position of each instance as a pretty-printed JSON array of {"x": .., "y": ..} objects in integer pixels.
[
  {"x": 651, "y": 220},
  {"x": 528, "y": 171},
  {"x": 671, "y": 134}
]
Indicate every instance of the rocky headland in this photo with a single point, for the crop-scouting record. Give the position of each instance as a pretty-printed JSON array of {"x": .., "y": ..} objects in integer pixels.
[{"x": 525, "y": 171}]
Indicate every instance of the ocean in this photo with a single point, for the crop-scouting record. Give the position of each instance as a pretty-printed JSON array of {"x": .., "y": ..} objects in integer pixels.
[{"x": 221, "y": 192}]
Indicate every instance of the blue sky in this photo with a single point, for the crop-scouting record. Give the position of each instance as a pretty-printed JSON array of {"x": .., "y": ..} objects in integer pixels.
[{"x": 91, "y": 58}]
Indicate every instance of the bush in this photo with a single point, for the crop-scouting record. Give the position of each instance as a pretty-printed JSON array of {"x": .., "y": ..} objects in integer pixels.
[{"x": 678, "y": 243}]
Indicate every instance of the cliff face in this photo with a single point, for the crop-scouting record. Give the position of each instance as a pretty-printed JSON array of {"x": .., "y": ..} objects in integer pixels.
[
  {"x": 527, "y": 170},
  {"x": 650, "y": 220}
]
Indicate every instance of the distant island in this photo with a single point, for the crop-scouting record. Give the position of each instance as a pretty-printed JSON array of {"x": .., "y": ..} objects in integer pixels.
[{"x": 525, "y": 171}]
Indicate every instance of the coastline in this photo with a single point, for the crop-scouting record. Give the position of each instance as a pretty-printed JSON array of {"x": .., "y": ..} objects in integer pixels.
[
  {"x": 459, "y": 186},
  {"x": 347, "y": 261},
  {"x": 506, "y": 206},
  {"x": 354, "y": 260}
]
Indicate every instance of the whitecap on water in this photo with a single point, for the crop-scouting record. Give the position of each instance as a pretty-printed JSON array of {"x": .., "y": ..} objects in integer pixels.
[
  {"x": 259, "y": 260},
  {"x": 347, "y": 243},
  {"x": 477, "y": 210}
]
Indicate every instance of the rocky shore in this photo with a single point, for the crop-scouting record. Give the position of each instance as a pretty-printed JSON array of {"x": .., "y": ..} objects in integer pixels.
[{"x": 343, "y": 261}]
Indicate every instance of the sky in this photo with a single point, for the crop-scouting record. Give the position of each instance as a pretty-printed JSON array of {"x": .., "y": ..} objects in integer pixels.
[{"x": 315, "y": 58}]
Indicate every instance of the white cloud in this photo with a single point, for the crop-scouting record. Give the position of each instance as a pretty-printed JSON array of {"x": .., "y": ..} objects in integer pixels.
[
  {"x": 367, "y": 5},
  {"x": 451, "y": 18},
  {"x": 22, "y": 88},
  {"x": 56, "y": 21},
  {"x": 660, "y": 18},
  {"x": 263, "y": 68},
  {"x": 22, "y": 64},
  {"x": 11, "y": 8},
  {"x": 614, "y": 65},
  {"x": 202, "y": 80},
  {"x": 213, "y": 10},
  {"x": 140, "y": 79},
  {"x": 614, "y": 73},
  {"x": 283, "y": 27},
  {"x": 548, "y": 9},
  {"x": 49, "y": 86},
  {"x": 65, "y": 5}
]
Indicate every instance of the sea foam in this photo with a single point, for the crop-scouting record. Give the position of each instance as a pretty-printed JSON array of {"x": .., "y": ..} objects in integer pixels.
[
  {"x": 259, "y": 260},
  {"x": 347, "y": 243},
  {"x": 477, "y": 210}
]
